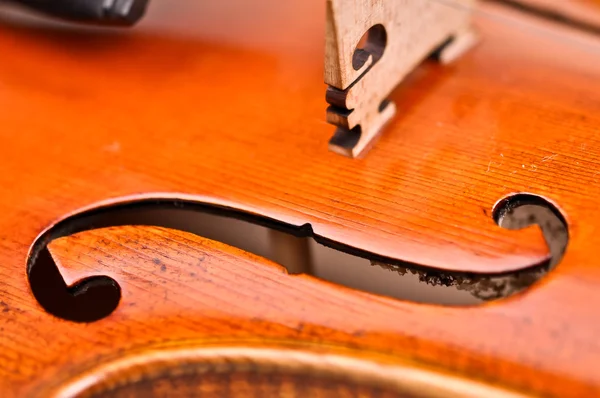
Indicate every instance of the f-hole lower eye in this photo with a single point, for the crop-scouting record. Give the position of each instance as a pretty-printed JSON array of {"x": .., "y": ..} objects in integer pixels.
[{"x": 371, "y": 44}]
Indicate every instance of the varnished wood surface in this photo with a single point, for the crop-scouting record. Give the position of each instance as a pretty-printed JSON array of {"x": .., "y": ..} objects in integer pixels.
[
  {"x": 215, "y": 343},
  {"x": 582, "y": 13},
  {"x": 238, "y": 120},
  {"x": 423, "y": 198}
]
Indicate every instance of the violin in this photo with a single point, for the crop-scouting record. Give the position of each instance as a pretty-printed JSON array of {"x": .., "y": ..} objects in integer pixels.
[{"x": 186, "y": 210}]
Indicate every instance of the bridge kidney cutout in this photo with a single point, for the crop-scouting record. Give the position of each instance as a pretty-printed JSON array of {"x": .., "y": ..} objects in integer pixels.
[{"x": 296, "y": 248}]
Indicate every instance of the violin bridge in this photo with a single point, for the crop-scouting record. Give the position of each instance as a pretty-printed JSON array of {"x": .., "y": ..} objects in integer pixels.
[{"x": 371, "y": 46}]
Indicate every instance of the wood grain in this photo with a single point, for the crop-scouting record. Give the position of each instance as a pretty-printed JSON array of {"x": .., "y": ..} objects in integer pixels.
[
  {"x": 404, "y": 201},
  {"x": 234, "y": 117},
  {"x": 166, "y": 354}
]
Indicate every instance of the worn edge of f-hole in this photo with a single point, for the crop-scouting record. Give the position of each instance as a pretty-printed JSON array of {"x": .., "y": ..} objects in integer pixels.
[
  {"x": 514, "y": 211},
  {"x": 96, "y": 297},
  {"x": 523, "y": 209}
]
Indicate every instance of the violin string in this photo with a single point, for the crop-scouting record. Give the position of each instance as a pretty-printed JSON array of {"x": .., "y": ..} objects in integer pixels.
[
  {"x": 552, "y": 14},
  {"x": 541, "y": 31}
]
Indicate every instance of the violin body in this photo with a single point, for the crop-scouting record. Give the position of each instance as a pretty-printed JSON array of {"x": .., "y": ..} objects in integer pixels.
[{"x": 223, "y": 112}]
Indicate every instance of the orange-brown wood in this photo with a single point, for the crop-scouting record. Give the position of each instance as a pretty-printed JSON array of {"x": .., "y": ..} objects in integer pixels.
[
  {"x": 222, "y": 335},
  {"x": 228, "y": 109},
  {"x": 251, "y": 152},
  {"x": 582, "y": 13}
]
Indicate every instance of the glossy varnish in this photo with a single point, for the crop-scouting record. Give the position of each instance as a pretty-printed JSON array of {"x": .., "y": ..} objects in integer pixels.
[{"x": 228, "y": 109}]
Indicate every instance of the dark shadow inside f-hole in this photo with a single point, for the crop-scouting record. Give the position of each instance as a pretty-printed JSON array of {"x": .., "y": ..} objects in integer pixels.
[
  {"x": 522, "y": 210},
  {"x": 293, "y": 247},
  {"x": 371, "y": 44}
]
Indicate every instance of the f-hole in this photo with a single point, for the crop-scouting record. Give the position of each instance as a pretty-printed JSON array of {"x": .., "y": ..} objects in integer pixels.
[
  {"x": 97, "y": 297},
  {"x": 522, "y": 210},
  {"x": 371, "y": 44}
]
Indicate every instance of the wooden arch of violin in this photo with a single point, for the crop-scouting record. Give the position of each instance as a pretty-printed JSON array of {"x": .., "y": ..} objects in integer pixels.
[{"x": 154, "y": 111}]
